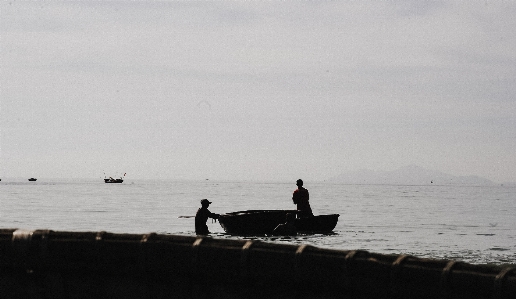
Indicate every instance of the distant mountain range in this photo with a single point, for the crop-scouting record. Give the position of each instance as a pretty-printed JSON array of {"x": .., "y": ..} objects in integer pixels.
[{"x": 409, "y": 175}]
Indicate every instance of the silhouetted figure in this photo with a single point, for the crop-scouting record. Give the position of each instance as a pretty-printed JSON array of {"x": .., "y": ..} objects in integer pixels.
[
  {"x": 301, "y": 198},
  {"x": 202, "y": 216},
  {"x": 286, "y": 229}
]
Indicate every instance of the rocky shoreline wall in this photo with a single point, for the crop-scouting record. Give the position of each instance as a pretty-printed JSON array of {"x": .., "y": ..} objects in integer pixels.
[{"x": 57, "y": 264}]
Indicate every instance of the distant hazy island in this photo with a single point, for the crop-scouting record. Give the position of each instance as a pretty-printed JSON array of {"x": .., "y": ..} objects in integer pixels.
[{"x": 410, "y": 175}]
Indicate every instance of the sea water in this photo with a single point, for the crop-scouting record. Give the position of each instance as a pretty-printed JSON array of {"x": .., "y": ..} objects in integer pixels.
[{"x": 467, "y": 223}]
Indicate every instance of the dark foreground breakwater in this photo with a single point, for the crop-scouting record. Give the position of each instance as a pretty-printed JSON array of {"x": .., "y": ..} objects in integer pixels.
[{"x": 53, "y": 264}]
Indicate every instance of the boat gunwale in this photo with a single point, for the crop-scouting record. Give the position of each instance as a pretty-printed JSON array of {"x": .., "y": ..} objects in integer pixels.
[{"x": 254, "y": 212}]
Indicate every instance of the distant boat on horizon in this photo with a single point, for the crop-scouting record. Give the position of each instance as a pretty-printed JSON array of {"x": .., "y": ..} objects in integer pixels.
[
  {"x": 111, "y": 180},
  {"x": 32, "y": 180}
]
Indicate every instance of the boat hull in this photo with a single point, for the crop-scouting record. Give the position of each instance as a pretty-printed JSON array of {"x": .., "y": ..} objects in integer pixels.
[
  {"x": 113, "y": 181},
  {"x": 317, "y": 224},
  {"x": 262, "y": 222}
]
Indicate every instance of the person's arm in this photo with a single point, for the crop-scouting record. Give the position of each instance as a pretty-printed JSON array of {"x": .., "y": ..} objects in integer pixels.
[{"x": 213, "y": 215}]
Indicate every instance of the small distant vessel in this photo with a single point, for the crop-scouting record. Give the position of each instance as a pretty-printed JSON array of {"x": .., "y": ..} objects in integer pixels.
[
  {"x": 32, "y": 180},
  {"x": 112, "y": 180}
]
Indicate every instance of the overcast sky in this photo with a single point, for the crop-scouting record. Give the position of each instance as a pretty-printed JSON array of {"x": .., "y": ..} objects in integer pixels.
[{"x": 257, "y": 90}]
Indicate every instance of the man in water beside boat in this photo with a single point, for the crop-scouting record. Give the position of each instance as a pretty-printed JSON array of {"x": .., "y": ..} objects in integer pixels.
[
  {"x": 301, "y": 199},
  {"x": 202, "y": 216}
]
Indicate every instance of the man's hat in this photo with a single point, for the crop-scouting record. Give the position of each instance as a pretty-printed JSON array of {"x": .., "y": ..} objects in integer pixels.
[{"x": 205, "y": 201}]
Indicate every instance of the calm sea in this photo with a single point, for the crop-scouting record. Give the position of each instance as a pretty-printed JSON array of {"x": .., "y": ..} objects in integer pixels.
[{"x": 471, "y": 224}]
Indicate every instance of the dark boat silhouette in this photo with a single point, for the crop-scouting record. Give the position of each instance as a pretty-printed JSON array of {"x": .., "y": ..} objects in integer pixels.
[
  {"x": 112, "y": 180},
  {"x": 261, "y": 222},
  {"x": 32, "y": 180}
]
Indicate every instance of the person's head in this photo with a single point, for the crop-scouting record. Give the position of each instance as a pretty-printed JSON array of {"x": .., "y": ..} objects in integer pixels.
[
  {"x": 299, "y": 183},
  {"x": 205, "y": 202}
]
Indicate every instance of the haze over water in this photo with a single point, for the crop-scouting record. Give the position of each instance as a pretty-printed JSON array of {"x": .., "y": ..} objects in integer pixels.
[
  {"x": 256, "y": 90},
  {"x": 467, "y": 223}
]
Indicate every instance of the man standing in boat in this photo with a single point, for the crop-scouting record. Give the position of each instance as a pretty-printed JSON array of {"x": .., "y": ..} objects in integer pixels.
[
  {"x": 301, "y": 198},
  {"x": 202, "y": 216}
]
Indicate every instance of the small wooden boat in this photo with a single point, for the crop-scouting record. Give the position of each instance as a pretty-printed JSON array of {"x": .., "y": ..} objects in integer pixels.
[
  {"x": 32, "y": 180},
  {"x": 261, "y": 222}
]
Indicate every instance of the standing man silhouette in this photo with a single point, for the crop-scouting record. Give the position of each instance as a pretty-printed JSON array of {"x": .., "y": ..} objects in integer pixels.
[{"x": 301, "y": 198}]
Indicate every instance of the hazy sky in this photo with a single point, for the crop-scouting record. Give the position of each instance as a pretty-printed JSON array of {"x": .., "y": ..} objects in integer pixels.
[{"x": 257, "y": 90}]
